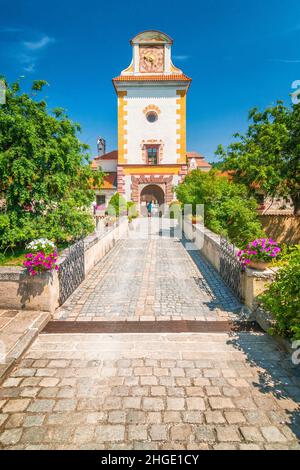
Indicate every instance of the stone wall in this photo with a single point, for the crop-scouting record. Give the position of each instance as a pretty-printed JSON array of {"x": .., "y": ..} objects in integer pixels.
[
  {"x": 19, "y": 291},
  {"x": 282, "y": 228},
  {"x": 96, "y": 246},
  {"x": 254, "y": 282}
]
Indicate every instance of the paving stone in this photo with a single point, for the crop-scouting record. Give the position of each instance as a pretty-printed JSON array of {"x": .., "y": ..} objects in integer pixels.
[
  {"x": 137, "y": 432},
  {"x": 135, "y": 416},
  {"x": 65, "y": 405},
  {"x": 175, "y": 403},
  {"x": 194, "y": 391},
  {"x": 205, "y": 433},
  {"x": 158, "y": 432},
  {"x": 181, "y": 432},
  {"x": 150, "y": 404},
  {"x": 272, "y": 434},
  {"x": 154, "y": 417},
  {"x": 34, "y": 435},
  {"x": 13, "y": 406},
  {"x": 117, "y": 416},
  {"x": 224, "y": 446},
  {"x": 84, "y": 434},
  {"x": 195, "y": 403},
  {"x": 29, "y": 392},
  {"x": 256, "y": 417},
  {"x": 12, "y": 382},
  {"x": 214, "y": 417},
  {"x": 228, "y": 434},
  {"x": 132, "y": 402},
  {"x": 158, "y": 391},
  {"x": 15, "y": 420},
  {"x": 218, "y": 403},
  {"x": 10, "y": 436},
  {"x": 110, "y": 433},
  {"x": 234, "y": 417},
  {"x": 40, "y": 406},
  {"x": 34, "y": 420},
  {"x": 23, "y": 372},
  {"x": 249, "y": 447},
  {"x": 3, "y": 418},
  {"x": 49, "y": 382},
  {"x": 251, "y": 433}
]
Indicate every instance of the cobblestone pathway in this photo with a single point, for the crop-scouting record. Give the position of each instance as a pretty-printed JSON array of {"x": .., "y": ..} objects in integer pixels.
[
  {"x": 152, "y": 391},
  {"x": 149, "y": 279}
]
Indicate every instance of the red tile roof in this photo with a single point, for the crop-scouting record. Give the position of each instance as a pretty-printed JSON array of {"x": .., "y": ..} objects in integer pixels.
[
  {"x": 153, "y": 78},
  {"x": 113, "y": 155},
  {"x": 194, "y": 154},
  {"x": 201, "y": 162},
  {"x": 110, "y": 181}
]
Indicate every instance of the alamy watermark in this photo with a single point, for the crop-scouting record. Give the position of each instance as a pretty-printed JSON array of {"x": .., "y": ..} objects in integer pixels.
[
  {"x": 295, "y": 95},
  {"x": 2, "y": 92},
  {"x": 296, "y": 353}
]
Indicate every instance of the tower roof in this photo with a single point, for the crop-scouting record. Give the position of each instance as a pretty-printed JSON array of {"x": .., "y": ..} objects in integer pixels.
[{"x": 151, "y": 36}]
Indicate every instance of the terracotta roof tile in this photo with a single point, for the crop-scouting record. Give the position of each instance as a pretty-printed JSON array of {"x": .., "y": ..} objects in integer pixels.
[
  {"x": 113, "y": 155},
  {"x": 194, "y": 154},
  {"x": 110, "y": 181}
]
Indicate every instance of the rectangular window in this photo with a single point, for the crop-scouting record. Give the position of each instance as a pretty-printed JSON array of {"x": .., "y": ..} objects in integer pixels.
[
  {"x": 152, "y": 153},
  {"x": 100, "y": 200}
]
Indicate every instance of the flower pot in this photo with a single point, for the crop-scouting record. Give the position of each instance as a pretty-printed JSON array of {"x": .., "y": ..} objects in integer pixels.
[{"x": 259, "y": 265}]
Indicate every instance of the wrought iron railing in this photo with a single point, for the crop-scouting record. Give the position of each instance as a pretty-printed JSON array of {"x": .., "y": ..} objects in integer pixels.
[
  {"x": 230, "y": 267},
  {"x": 71, "y": 271}
]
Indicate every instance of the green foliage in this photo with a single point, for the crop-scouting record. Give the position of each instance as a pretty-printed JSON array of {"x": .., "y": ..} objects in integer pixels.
[
  {"x": 175, "y": 209},
  {"x": 117, "y": 205},
  {"x": 228, "y": 210},
  {"x": 132, "y": 211},
  {"x": 46, "y": 180},
  {"x": 268, "y": 155},
  {"x": 282, "y": 298}
]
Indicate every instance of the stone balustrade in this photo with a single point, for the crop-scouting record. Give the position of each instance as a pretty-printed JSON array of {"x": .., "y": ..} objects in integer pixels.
[
  {"x": 19, "y": 291},
  {"x": 254, "y": 282}
]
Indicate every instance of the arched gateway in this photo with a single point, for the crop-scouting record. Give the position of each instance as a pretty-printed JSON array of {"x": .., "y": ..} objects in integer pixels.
[{"x": 151, "y": 192}]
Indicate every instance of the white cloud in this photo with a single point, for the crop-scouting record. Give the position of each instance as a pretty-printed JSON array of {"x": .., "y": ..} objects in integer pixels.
[
  {"x": 29, "y": 68},
  {"x": 286, "y": 61},
  {"x": 181, "y": 57},
  {"x": 36, "y": 45}
]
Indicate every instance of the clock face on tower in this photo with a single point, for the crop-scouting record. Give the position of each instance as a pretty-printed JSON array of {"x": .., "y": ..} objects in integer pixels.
[{"x": 151, "y": 59}]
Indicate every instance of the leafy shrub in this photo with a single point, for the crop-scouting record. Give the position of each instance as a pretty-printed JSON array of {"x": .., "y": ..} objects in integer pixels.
[
  {"x": 47, "y": 184},
  {"x": 174, "y": 209},
  {"x": 132, "y": 211},
  {"x": 117, "y": 205},
  {"x": 282, "y": 298},
  {"x": 228, "y": 209}
]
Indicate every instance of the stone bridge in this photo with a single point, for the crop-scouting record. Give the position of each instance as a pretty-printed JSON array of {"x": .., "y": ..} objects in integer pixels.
[{"x": 151, "y": 352}]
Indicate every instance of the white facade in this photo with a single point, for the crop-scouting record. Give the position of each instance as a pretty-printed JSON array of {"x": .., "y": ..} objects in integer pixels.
[
  {"x": 108, "y": 166},
  {"x": 163, "y": 131}
]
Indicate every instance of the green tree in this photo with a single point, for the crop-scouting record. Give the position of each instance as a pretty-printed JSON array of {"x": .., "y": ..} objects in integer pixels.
[
  {"x": 117, "y": 205},
  {"x": 268, "y": 155},
  {"x": 282, "y": 298},
  {"x": 46, "y": 180},
  {"x": 228, "y": 210}
]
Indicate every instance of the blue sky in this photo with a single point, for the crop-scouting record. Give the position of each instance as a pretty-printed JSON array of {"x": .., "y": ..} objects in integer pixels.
[{"x": 239, "y": 54}]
